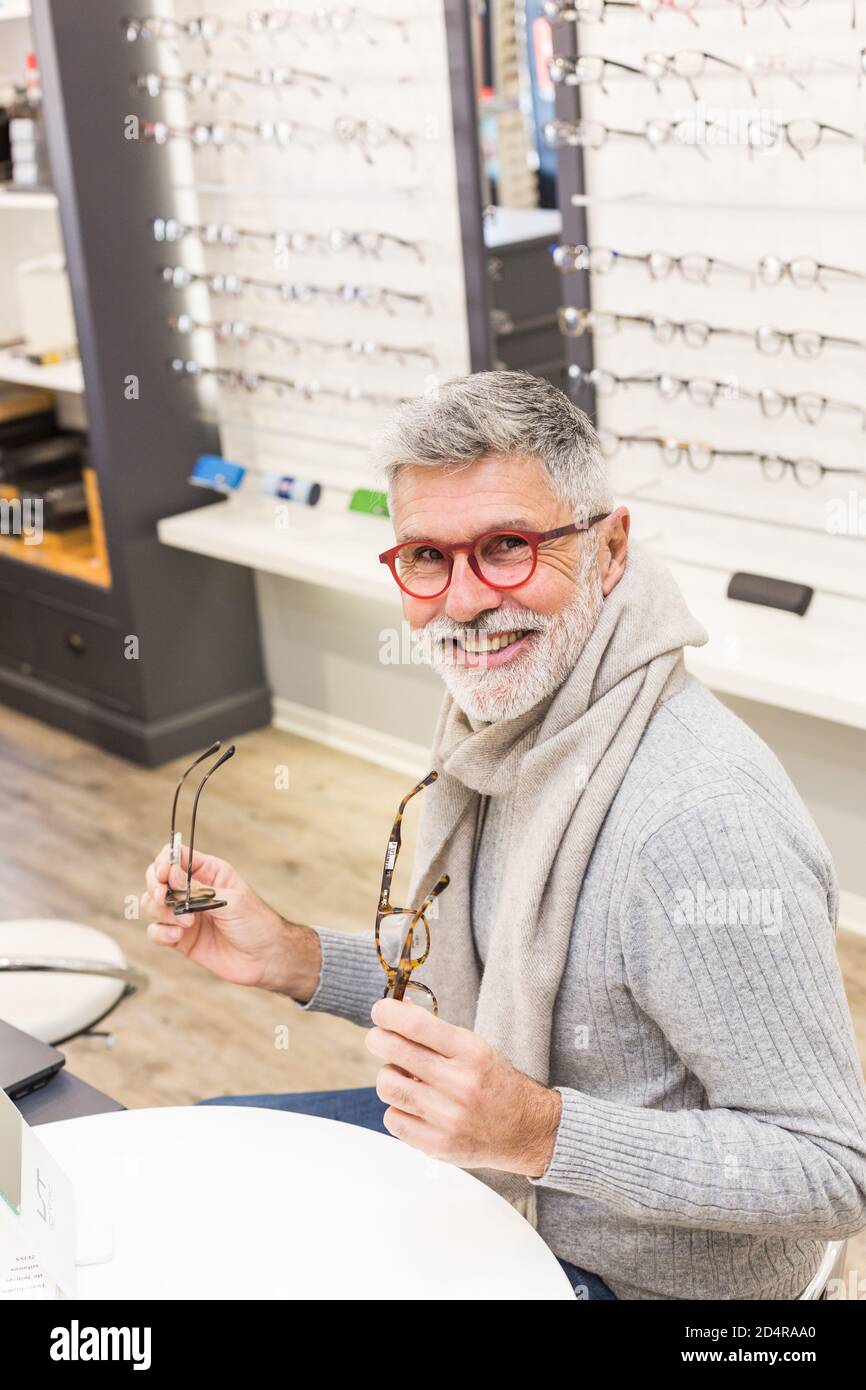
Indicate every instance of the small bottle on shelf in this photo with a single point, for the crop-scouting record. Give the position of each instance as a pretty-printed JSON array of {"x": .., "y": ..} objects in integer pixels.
[{"x": 29, "y": 148}]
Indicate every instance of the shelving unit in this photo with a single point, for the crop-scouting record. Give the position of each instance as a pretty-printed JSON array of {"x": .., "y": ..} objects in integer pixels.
[
  {"x": 20, "y": 200},
  {"x": 66, "y": 378},
  {"x": 335, "y": 549},
  {"x": 428, "y": 195},
  {"x": 94, "y": 637},
  {"x": 14, "y": 9},
  {"x": 712, "y": 196}
]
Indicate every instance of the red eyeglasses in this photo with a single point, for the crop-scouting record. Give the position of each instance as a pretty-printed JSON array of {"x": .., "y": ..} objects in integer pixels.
[{"x": 500, "y": 559}]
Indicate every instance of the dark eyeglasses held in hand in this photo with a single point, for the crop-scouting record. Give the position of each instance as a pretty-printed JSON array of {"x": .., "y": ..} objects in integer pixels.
[
  {"x": 198, "y": 897},
  {"x": 500, "y": 559},
  {"x": 411, "y": 935}
]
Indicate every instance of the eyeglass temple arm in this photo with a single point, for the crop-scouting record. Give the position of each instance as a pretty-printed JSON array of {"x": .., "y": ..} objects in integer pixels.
[
  {"x": 214, "y": 748},
  {"x": 577, "y": 526},
  {"x": 229, "y": 753},
  {"x": 395, "y": 839},
  {"x": 439, "y": 887}
]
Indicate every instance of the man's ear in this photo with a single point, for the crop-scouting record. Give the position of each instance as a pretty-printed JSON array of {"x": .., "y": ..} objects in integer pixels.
[{"x": 613, "y": 548}]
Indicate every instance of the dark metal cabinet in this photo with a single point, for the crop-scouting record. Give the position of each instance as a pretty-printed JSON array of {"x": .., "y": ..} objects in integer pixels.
[
  {"x": 65, "y": 649},
  {"x": 525, "y": 291}
]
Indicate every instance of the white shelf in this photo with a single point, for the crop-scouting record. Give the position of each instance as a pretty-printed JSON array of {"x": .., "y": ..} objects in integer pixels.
[
  {"x": 814, "y": 665},
  {"x": 505, "y": 225},
  {"x": 62, "y": 376},
  {"x": 338, "y": 550},
  {"x": 42, "y": 200}
]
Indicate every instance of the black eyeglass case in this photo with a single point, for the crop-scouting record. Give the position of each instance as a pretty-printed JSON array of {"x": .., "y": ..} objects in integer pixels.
[{"x": 772, "y": 593}]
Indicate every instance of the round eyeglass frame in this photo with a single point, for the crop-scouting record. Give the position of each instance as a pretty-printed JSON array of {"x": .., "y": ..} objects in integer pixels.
[{"x": 533, "y": 539}]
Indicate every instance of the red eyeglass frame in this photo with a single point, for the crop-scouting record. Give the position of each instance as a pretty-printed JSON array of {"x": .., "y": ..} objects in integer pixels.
[{"x": 533, "y": 538}]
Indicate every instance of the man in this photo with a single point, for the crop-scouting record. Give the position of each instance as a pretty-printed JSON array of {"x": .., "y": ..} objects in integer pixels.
[{"x": 643, "y": 1038}]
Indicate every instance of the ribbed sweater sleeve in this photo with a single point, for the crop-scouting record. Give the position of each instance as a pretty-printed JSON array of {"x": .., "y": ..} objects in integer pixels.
[
  {"x": 351, "y": 978},
  {"x": 728, "y": 944}
]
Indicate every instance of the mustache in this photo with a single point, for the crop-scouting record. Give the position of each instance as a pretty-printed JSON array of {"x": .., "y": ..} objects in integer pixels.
[{"x": 443, "y": 628}]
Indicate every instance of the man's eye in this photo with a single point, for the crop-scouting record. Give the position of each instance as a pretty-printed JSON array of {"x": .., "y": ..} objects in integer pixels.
[
  {"x": 426, "y": 554},
  {"x": 499, "y": 546}
]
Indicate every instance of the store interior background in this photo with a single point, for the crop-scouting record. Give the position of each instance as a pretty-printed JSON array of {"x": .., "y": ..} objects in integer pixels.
[{"x": 277, "y": 635}]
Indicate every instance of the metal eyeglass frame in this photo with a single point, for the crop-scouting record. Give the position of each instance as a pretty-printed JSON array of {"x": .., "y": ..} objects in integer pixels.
[{"x": 205, "y": 899}]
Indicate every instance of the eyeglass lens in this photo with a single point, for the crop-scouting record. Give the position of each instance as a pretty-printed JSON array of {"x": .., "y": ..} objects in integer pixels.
[{"x": 503, "y": 560}]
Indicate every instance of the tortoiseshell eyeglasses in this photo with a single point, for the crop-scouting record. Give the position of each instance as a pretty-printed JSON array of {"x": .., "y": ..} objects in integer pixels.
[{"x": 409, "y": 945}]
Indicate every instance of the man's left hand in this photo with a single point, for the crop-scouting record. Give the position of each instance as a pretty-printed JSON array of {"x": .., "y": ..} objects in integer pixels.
[{"x": 455, "y": 1098}]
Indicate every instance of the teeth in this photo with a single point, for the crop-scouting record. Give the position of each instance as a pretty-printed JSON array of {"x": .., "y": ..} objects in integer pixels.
[{"x": 479, "y": 642}]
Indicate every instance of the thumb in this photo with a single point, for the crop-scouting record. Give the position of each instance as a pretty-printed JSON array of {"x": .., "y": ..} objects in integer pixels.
[{"x": 176, "y": 877}]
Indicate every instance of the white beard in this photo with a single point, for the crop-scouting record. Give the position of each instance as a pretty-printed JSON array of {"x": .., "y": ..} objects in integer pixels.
[{"x": 503, "y": 692}]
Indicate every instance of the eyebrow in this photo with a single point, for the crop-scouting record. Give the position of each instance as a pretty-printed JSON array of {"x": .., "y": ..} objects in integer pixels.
[{"x": 518, "y": 524}]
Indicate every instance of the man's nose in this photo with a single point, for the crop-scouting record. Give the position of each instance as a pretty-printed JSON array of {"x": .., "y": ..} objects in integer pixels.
[{"x": 468, "y": 595}]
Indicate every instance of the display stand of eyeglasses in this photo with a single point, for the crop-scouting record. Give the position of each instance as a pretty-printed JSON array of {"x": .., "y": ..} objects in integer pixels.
[
  {"x": 320, "y": 256},
  {"x": 713, "y": 190}
]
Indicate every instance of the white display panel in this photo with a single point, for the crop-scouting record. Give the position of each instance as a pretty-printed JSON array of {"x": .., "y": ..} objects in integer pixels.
[
  {"x": 707, "y": 191},
  {"x": 385, "y": 65}
]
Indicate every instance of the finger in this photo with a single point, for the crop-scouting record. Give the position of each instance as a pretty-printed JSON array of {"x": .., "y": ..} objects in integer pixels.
[
  {"x": 155, "y": 885},
  {"x": 167, "y": 917},
  {"x": 160, "y": 864},
  {"x": 176, "y": 876},
  {"x": 163, "y": 933},
  {"x": 151, "y": 906},
  {"x": 203, "y": 864},
  {"x": 420, "y": 1026},
  {"x": 410, "y": 1056},
  {"x": 206, "y": 867},
  {"x": 411, "y": 1130},
  {"x": 403, "y": 1092}
]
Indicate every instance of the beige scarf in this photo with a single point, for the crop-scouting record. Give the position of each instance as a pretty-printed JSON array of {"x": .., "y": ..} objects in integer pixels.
[{"x": 564, "y": 762}]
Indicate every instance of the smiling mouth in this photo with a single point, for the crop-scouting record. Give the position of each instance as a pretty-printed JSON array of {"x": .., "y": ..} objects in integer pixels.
[
  {"x": 479, "y": 642},
  {"x": 488, "y": 648}
]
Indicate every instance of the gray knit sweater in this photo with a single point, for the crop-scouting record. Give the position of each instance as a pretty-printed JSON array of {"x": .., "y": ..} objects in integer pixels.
[{"x": 713, "y": 1130}]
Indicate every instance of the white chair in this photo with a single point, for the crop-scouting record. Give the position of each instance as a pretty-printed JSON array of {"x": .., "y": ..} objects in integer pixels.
[
  {"x": 59, "y": 979},
  {"x": 832, "y": 1266}
]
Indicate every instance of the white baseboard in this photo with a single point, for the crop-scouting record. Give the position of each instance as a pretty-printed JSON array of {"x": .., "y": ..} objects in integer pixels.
[
  {"x": 852, "y": 912},
  {"x": 346, "y": 736}
]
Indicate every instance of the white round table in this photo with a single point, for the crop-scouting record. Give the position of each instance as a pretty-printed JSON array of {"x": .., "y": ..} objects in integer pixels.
[{"x": 238, "y": 1202}]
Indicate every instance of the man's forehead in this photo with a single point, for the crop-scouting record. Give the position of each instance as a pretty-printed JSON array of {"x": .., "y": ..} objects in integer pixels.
[{"x": 494, "y": 491}]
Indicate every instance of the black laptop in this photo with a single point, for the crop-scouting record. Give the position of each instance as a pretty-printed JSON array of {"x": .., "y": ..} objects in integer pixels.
[{"x": 25, "y": 1062}]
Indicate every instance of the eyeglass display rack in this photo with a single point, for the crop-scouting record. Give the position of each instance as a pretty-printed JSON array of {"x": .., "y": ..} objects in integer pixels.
[
  {"x": 371, "y": 130},
  {"x": 130, "y": 664},
  {"x": 64, "y": 645},
  {"x": 704, "y": 192}
]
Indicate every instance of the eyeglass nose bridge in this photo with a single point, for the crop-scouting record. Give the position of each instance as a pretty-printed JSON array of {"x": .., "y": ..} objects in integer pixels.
[{"x": 471, "y": 560}]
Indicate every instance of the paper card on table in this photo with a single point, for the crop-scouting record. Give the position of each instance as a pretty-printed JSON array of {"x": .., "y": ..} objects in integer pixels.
[
  {"x": 37, "y": 1216},
  {"x": 25, "y": 1279},
  {"x": 10, "y": 1154}
]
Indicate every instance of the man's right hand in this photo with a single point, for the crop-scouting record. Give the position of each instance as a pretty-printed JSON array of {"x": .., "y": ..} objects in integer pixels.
[{"x": 245, "y": 942}]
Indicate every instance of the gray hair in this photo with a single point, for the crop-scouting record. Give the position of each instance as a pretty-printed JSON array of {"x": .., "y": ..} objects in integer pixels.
[{"x": 500, "y": 414}]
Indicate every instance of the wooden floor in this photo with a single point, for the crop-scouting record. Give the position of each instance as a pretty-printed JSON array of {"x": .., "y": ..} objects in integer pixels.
[{"x": 77, "y": 829}]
